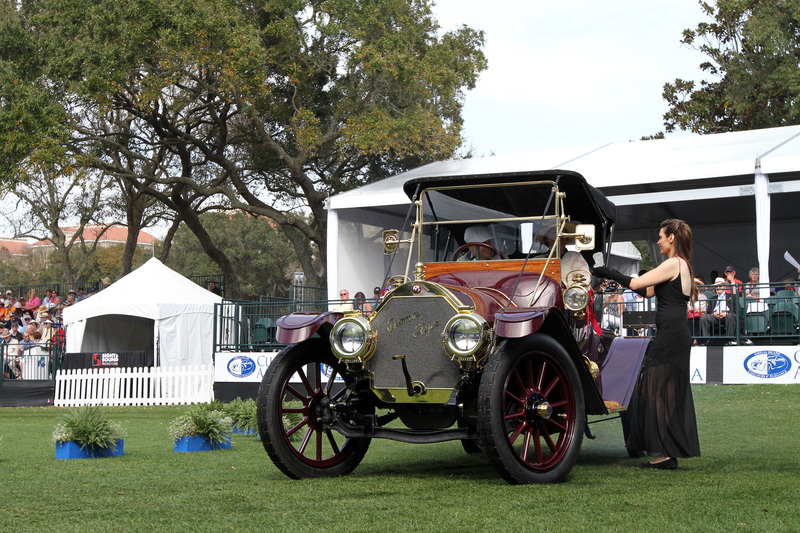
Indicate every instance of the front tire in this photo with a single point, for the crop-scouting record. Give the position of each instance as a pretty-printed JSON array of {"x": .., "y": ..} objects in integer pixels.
[
  {"x": 289, "y": 413},
  {"x": 531, "y": 411}
]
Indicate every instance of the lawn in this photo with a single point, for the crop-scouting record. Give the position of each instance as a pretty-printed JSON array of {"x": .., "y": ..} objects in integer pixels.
[{"x": 748, "y": 479}]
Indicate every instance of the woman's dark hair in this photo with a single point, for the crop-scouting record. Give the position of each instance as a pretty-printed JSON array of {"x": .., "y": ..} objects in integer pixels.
[
  {"x": 683, "y": 245},
  {"x": 358, "y": 300}
]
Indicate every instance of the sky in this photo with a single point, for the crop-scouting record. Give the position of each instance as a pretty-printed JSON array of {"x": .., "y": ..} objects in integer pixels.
[{"x": 575, "y": 73}]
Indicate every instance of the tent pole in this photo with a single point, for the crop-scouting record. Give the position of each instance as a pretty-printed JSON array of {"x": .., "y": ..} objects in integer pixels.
[{"x": 763, "y": 208}]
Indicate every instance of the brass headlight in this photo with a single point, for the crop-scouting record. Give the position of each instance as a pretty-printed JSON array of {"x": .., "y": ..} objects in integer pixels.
[
  {"x": 465, "y": 335},
  {"x": 576, "y": 298},
  {"x": 353, "y": 339}
]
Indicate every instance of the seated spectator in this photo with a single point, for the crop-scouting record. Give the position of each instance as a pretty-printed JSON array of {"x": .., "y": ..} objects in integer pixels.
[
  {"x": 39, "y": 348},
  {"x": 56, "y": 300},
  {"x": 33, "y": 302},
  {"x": 345, "y": 304},
  {"x": 15, "y": 330},
  {"x": 752, "y": 289},
  {"x": 789, "y": 284},
  {"x": 730, "y": 279},
  {"x": 26, "y": 344},
  {"x": 70, "y": 299},
  {"x": 718, "y": 311},
  {"x": 360, "y": 302},
  {"x": 48, "y": 295}
]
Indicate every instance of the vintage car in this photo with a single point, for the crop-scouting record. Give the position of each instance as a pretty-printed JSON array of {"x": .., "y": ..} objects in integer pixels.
[{"x": 487, "y": 337}]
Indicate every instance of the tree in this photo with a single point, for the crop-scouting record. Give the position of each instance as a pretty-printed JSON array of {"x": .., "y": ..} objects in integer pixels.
[
  {"x": 47, "y": 197},
  {"x": 267, "y": 107},
  {"x": 263, "y": 258},
  {"x": 754, "y": 57}
]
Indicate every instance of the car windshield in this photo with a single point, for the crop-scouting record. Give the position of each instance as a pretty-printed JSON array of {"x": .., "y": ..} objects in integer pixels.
[{"x": 512, "y": 218}]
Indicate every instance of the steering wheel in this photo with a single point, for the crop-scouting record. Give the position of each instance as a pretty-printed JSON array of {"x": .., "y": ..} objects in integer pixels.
[{"x": 465, "y": 247}]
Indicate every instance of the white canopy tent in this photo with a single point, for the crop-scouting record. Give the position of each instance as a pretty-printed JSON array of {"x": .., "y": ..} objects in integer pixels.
[
  {"x": 738, "y": 191},
  {"x": 152, "y": 309}
]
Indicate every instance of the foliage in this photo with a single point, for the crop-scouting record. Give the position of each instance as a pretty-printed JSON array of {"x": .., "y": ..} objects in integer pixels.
[
  {"x": 89, "y": 427},
  {"x": 243, "y": 414},
  {"x": 266, "y": 107},
  {"x": 202, "y": 420},
  {"x": 753, "y": 48},
  {"x": 261, "y": 254}
]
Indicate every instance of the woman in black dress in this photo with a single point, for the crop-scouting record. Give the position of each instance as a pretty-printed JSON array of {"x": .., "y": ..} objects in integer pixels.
[{"x": 662, "y": 413}]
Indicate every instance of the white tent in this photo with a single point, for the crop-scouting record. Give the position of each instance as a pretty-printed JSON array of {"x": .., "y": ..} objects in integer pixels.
[
  {"x": 152, "y": 309},
  {"x": 738, "y": 191}
]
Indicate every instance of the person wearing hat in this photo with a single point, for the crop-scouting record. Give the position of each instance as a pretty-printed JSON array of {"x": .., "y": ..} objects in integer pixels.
[
  {"x": 730, "y": 278},
  {"x": 718, "y": 310},
  {"x": 13, "y": 368},
  {"x": 106, "y": 281},
  {"x": 477, "y": 245}
]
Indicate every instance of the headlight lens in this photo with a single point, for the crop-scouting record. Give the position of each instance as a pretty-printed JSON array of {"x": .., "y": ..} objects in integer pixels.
[
  {"x": 465, "y": 335},
  {"x": 353, "y": 338},
  {"x": 576, "y": 298}
]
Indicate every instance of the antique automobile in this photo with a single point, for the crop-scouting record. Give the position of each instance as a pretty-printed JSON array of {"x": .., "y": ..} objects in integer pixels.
[{"x": 486, "y": 337}]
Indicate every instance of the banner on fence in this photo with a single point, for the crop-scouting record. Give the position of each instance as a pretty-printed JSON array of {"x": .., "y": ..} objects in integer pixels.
[
  {"x": 249, "y": 367},
  {"x": 761, "y": 364}
]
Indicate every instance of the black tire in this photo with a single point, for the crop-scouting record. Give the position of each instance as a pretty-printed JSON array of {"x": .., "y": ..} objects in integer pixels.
[
  {"x": 471, "y": 446},
  {"x": 291, "y": 433},
  {"x": 520, "y": 381}
]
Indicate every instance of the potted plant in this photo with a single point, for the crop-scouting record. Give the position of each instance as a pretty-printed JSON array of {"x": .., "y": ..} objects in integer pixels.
[
  {"x": 87, "y": 432},
  {"x": 243, "y": 415},
  {"x": 203, "y": 427}
]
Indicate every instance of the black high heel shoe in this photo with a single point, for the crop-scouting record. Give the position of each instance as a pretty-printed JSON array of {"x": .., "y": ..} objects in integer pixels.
[{"x": 669, "y": 464}]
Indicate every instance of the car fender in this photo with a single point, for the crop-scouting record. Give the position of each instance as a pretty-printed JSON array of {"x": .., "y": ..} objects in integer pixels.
[
  {"x": 297, "y": 327},
  {"x": 518, "y": 323}
]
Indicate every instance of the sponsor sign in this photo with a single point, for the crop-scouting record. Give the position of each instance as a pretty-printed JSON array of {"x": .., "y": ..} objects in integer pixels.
[
  {"x": 698, "y": 365},
  {"x": 761, "y": 364},
  {"x": 243, "y": 367},
  {"x": 106, "y": 359}
]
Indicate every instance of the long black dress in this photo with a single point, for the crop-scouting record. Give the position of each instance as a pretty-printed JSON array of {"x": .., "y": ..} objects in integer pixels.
[{"x": 663, "y": 421}]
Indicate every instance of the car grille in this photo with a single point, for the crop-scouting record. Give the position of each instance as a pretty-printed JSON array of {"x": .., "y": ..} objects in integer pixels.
[{"x": 412, "y": 326}]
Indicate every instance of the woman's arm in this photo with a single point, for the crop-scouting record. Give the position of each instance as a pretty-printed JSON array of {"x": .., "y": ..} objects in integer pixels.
[{"x": 666, "y": 271}]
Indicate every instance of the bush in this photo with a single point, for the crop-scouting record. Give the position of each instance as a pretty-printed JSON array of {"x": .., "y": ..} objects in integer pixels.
[
  {"x": 203, "y": 421},
  {"x": 243, "y": 414},
  {"x": 89, "y": 427}
]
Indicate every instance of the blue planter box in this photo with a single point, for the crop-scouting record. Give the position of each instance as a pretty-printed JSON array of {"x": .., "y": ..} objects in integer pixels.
[
  {"x": 200, "y": 444},
  {"x": 72, "y": 450}
]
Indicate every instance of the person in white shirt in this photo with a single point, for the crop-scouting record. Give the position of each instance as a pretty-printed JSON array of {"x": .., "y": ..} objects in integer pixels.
[{"x": 718, "y": 311}]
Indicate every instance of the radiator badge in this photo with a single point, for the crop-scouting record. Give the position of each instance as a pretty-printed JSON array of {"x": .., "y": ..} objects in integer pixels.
[{"x": 395, "y": 323}]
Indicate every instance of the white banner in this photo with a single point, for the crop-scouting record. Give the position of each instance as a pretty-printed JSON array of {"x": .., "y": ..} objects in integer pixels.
[
  {"x": 761, "y": 364},
  {"x": 249, "y": 367},
  {"x": 240, "y": 367}
]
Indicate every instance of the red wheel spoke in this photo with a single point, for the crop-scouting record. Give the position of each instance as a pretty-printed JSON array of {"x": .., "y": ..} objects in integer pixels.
[
  {"x": 551, "y": 386},
  {"x": 515, "y": 398},
  {"x": 306, "y": 439},
  {"x": 540, "y": 377},
  {"x": 538, "y": 445},
  {"x": 332, "y": 442},
  {"x": 298, "y": 396},
  {"x": 309, "y": 389},
  {"x": 562, "y": 427},
  {"x": 300, "y": 424},
  {"x": 520, "y": 428},
  {"x": 518, "y": 379},
  {"x": 319, "y": 445},
  {"x": 526, "y": 445},
  {"x": 331, "y": 379},
  {"x": 293, "y": 410},
  {"x": 515, "y": 414},
  {"x": 550, "y": 443}
]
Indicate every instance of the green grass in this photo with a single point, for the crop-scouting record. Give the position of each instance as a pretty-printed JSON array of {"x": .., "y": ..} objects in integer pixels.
[{"x": 748, "y": 479}]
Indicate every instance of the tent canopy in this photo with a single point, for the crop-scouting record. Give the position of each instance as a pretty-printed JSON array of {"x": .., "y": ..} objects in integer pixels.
[
  {"x": 736, "y": 190},
  {"x": 153, "y": 309}
]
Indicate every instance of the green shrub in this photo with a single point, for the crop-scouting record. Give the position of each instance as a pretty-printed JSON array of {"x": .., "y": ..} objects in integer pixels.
[
  {"x": 202, "y": 421},
  {"x": 88, "y": 426}
]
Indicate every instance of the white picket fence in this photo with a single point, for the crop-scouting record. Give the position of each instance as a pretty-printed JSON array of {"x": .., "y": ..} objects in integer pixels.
[{"x": 135, "y": 386}]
